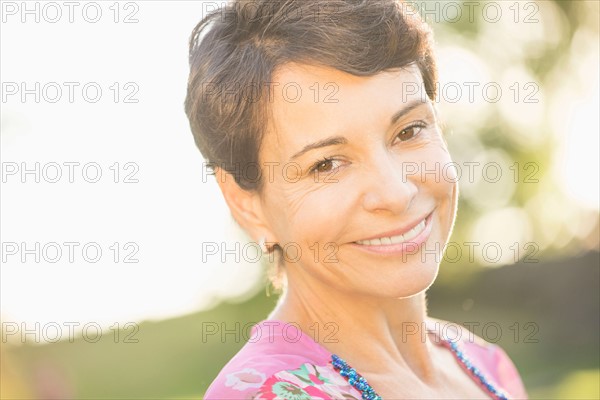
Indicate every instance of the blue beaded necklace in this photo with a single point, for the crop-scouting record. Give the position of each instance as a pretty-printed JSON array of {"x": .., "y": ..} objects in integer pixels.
[
  {"x": 368, "y": 393},
  {"x": 354, "y": 378}
]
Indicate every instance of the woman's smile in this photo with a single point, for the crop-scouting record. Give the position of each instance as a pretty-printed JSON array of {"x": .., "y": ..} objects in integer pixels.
[{"x": 403, "y": 240}]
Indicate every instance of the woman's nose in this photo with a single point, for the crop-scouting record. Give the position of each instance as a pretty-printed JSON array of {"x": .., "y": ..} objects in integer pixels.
[{"x": 387, "y": 186}]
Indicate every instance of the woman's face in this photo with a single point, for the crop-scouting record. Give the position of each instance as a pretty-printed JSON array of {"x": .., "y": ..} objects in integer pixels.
[{"x": 347, "y": 159}]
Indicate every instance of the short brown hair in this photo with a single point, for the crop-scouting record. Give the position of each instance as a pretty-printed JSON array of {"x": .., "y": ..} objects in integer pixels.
[{"x": 237, "y": 48}]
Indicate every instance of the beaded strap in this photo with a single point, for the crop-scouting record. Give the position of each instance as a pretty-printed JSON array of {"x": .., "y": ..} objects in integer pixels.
[
  {"x": 368, "y": 393},
  {"x": 475, "y": 371},
  {"x": 354, "y": 378}
]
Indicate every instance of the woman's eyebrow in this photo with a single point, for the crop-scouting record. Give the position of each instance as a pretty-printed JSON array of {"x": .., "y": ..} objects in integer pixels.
[
  {"x": 330, "y": 141},
  {"x": 411, "y": 106}
]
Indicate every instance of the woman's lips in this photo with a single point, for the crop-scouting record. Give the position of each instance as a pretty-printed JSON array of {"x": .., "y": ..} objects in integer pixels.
[{"x": 409, "y": 241}]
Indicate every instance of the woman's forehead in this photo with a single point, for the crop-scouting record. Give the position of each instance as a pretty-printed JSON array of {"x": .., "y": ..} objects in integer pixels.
[
  {"x": 291, "y": 74},
  {"x": 313, "y": 100}
]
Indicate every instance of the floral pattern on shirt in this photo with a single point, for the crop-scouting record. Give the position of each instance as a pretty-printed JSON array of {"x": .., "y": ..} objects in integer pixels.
[{"x": 308, "y": 382}]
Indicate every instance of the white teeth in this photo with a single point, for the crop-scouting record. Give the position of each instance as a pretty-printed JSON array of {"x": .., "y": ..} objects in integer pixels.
[
  {"x": 413, "y": 233},
  {"x": 398, "y": 239}
]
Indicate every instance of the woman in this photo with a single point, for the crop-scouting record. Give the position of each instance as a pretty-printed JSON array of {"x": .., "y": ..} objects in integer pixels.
[{"x": 318, "y": 120}]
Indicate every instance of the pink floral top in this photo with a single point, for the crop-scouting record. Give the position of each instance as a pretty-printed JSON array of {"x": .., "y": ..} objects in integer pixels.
[{"x": 279, "y": 361}]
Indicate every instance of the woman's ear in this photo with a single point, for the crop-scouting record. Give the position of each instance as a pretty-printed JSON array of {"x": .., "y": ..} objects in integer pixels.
[{"x": 245, "y": 206}]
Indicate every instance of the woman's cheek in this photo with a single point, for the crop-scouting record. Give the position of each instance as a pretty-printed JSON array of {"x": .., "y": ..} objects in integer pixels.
[{"x": 306, "y": 211}]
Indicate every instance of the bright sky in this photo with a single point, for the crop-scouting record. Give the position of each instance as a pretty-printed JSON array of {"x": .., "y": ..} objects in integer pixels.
[{"x": 162, "y": 220}]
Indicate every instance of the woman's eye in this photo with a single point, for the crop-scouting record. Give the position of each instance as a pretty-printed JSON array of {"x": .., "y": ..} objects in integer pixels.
[
  {"x": 410, "y": 132},
  {"x": 323, "y": 166}
]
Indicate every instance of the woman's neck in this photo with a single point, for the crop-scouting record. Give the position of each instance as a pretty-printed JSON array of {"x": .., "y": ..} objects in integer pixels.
[{"x": 373, "y": 334}]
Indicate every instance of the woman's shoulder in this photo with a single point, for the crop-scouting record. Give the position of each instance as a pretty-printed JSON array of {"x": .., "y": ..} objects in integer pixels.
[
  {"x": 278, "y": 360},
  {"x": 488, "y": 357}
]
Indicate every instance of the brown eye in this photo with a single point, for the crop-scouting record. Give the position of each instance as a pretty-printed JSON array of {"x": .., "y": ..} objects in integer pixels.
[
  {"x": 323, "y": 166},
  {"x": 409, "y": 132},
  {"x": 326, "y": 165}
]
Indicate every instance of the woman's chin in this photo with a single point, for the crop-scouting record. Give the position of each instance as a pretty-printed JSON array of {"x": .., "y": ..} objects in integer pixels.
[{"x": 395, "y": 286}]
